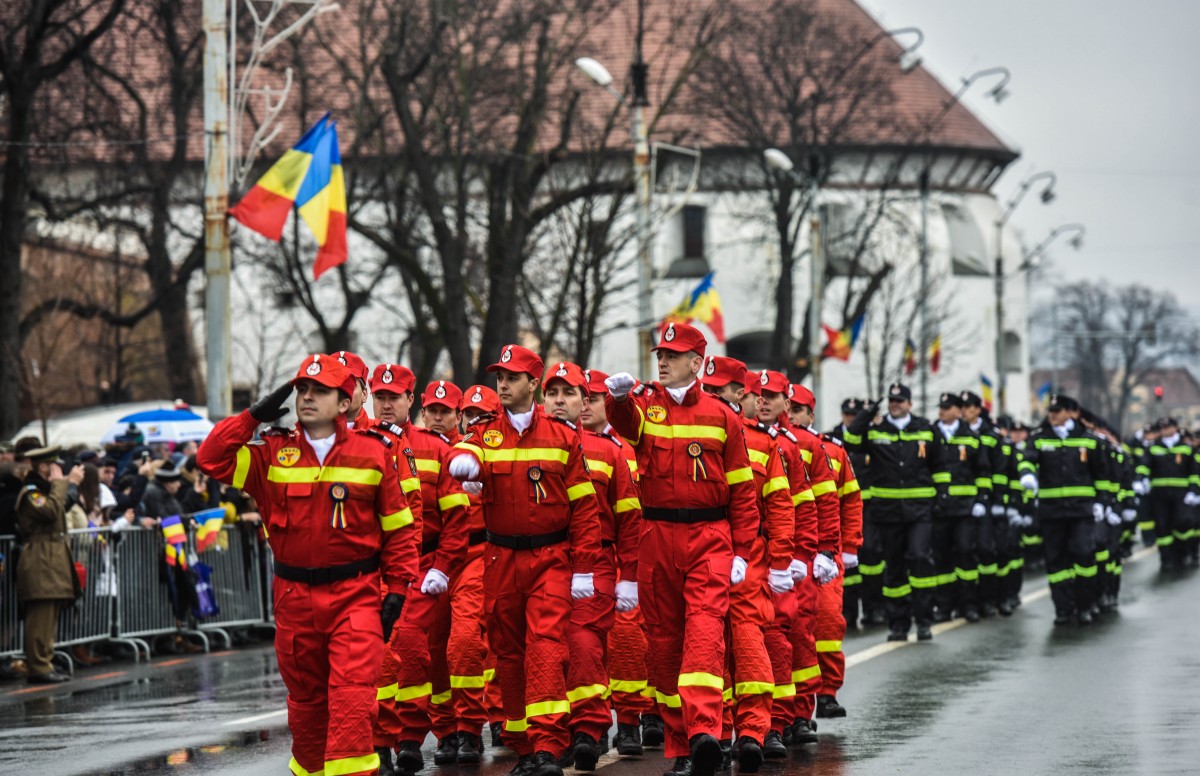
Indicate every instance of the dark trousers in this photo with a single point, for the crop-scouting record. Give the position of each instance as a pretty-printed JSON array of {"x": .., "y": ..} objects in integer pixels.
[
  {"x": 908, "y": 575},
  {"x": 1071, "y": 563},
  {"x": 1174, "y": 525},
  {"x": 1009, "y": 561},
  {"x": 955, "y": 562},
  {"x": 870, "y": 566}
]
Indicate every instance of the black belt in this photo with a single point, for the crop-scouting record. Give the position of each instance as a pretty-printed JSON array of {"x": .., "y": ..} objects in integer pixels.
[
  {"x": 530, "y": 542},
  {"x": 689, "y": 516},
  {"x": 479, "y": 537},
  {"x": 328, "y": 574}
]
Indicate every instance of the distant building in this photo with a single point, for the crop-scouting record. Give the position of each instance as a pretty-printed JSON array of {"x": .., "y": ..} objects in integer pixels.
[{"x": 1180, "y": 395}]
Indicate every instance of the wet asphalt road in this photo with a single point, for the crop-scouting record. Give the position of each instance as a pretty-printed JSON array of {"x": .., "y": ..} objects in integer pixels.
[{"x": 1006, "y": 696}]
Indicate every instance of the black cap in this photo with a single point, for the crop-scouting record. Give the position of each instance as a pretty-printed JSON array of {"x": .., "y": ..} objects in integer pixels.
[
  {"x": 108, "y": 460},
  {"x": 853, "y": 406},
  {"x": 1059, "y": 402},
  {"x": 971, "y": 399},
  {"x": 899, "y": 391},
  {"x": 88, "y": 456},
  {"x": 1005, "y": 422},
  {"x": 167, "y": 472},
  {"x": 1168, "y": 421},
  {"x": 948, "y": 400}
]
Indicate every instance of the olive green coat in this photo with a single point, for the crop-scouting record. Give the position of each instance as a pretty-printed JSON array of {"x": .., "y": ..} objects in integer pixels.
[{"x": 45, "y": 571}]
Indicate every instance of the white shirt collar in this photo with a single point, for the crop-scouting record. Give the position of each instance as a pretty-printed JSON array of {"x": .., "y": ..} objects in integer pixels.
[
  {"x": 678, "y": 393},
  {"x": 978, "y": 424},
  {"x": 901, "y": 423},
  {"x": 321, "y": 446},
  {"x": 1062, "y": 431},
  {"x": 948, "y": 429},
  {"x": 1170, "y": 441},
  {"x": 521, "y": 421}
]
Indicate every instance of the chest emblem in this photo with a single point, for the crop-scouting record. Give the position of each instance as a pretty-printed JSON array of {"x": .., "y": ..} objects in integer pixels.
[
  {"x": 287, "y": 456},
  {"x": 656, "y": 413},
  {"x": 493, "y": 438}
]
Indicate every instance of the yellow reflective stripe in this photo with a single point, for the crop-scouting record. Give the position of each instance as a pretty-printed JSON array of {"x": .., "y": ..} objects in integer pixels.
[
  {"x": 389, "y": 691},
  {"x": 367, "y": 763},
  {"x": 298, "y": 769},
  {"x": 784, "y": 691},
  {"x": 526, "y": 454},
  {"x": 626, "y": 505},
  {"x": 632, "y": 466},
  {"x": 489, "y": 674},
  {"x": 429, "y": 465},
  {"x": 546, "y": 708},
  {"x": 835, "y": 464},
  {"x": 600, "y": 466},
  {"x": 829, "y": 646},
  {"x": 440, "y": 698},
  {"x": 410, "y": 485},
  {"x": 759, "y": 457},
  {"x": 626, "y": 685},
  {"x": 775, "y": 484},
  {"x": 454, "y": 500},
  {"x": 685, "y": 432},
  {"x": 413, "y": 692},
  {"x": 576, "y": 492},
  {"x": 806, "y": 455},
  {"x": 804, "y": 674},
  {"x": 727, "y": 694},
  {"x": 848, "y": 488},
  {"x": 516, "y": 725},
  {"x": 347, "y": 474},
  {"x": 466, "y": 682},
  {"x": 821, "y": 488},
  {"x": 670, "y": 701},
  {"x": 470, "y": 448},
  {"x": 243, "y": 469},
  {"x": 753, "y": 688},
  {"x": 701, "y": 679},
  {"x": 587, "y": 691},
  {"x": 744, "y": 474},
  {"x": 802, "y": 496},
  {"x": 396, "y": 519}
]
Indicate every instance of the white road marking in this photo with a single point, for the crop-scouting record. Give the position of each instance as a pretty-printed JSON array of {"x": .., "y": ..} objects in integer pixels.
[{"x": 256, "y": 718}]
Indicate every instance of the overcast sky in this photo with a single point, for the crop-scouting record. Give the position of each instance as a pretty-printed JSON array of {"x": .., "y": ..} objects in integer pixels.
[{"x": 1103, "y": 93}]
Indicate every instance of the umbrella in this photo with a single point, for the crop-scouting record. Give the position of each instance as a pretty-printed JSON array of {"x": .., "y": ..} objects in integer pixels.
[
  {"x": 85, "y": 426},
  {"x": 162, "y": 426}
]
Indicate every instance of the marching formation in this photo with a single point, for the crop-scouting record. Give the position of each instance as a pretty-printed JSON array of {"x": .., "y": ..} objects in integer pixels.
[{"x": 686, "y": 553}]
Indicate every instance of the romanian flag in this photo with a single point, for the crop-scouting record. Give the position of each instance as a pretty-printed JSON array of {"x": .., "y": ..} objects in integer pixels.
[
  {"x": 177, "y": 555},
  {"x": 986, "y": 392},
  {"x": 841, "y": 343},
  {"x": 208, "y": 527},
  {"x": 308, "y": 177},
  {"x": 910, "y": 357},
  {"x": 173, "y": 532},
  {"x": 703, "y": 304},
  {"x": 935, "y": 354}
]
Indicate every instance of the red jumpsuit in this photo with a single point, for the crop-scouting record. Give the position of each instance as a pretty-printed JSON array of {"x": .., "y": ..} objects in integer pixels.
[
  {"x": 699, "y": 508},
  {"x": 324, "y": 520},
  {"x": 831, "y": 623},
  {"x": 592, "y": 618},
  {"x": 543, "y": 524}
]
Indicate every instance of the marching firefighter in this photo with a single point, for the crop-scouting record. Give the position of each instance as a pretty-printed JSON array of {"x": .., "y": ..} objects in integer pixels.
[
  {"x": 543, "y": 530},
  {"x": 863, "y": 582},
  {"x": 700, "y": 522},
  {"x": 1174, "y": 494},
  {"x": 991, "y": 534},
  {"x": 337, "y": 522}
]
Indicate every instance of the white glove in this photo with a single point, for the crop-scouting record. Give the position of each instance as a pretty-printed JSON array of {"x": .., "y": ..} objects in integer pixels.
[
  {"x": 1112, "y": 517},
  {"x": 464, "y": 467},
  {"x": 824, "y": 569},
  {"x": 582, "y": 586},
  {"x": 435, "y": 583},
  {"x": 849, "y": 560},
  {"x": 620, "y": 384},
  {"x": 799, "y": 569},
  {"x": 1012, "y": 513},
  {"x": 978, "y": 510},
  {"x": 1014, "y": 518},
  {"x": 1191, "y": 499},
  {"x": 1098, "y": 513},
  {"x": 1027, "y": 521},
  {"x": 997, "y": 510},
  {"x": 780, "y": 580},
  {"x": 737, "y": 574},
  {"x": 627, "y": 596},
  {"x": 1029, "y": 483},
  {"x": 472, "y": 487},
  {"x": 1141, "y": 487}
]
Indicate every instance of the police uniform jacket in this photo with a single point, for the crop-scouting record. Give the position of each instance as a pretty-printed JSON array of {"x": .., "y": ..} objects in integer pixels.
[
  {"x": 964, "y": 472},
  {"x": 1067, "y": 471},
  {"x": 901, "y": 468}
]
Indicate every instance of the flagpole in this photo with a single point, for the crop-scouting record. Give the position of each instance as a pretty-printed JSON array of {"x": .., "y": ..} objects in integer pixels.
[
  {"x": 817, "y": 268},
  {"x": 923, "y": 302},
  {"x": 217, "y": 258}
]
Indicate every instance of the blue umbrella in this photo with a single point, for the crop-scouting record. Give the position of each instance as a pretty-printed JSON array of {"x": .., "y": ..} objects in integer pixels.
[{"x": 162, "y": 426}]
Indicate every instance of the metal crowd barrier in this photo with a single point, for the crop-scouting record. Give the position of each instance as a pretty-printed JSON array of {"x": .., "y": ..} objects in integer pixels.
[
  {"x": 236, "y": 581},
  {"x": 12, "y": 631}
]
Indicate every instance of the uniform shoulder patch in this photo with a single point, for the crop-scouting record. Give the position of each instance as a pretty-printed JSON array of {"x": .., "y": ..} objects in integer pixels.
[
  {"x": 565, "y": 422},
  {"x": 787, "y": 432},
  {"x": 437, "y": 434},
  {"x": 484, "y": 418},
  {"x": 835, "y": 440},
  {"x": 391, "y": 427},
  {"x": 611, "y": 438},
  {"x": 376, "y": 435}
]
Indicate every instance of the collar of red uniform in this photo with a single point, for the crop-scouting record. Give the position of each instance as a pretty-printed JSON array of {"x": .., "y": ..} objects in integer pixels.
[{"x": 689, "y": 398}]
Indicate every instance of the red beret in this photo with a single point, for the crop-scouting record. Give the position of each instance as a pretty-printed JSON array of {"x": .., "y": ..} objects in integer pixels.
[
  {"x": 595, "y": 381},
  {"x": 354, "y": 365},
  {"x": 393, "y": 378},
  {"x": 771, "y": 380},
  {"x": 515, "y": 358},
  {"x": 325, "y": 370},
  {"x": 720, "y": 370},
  {"x": 441, "y": 392},
  {"x": 801, "y": 395},
  {"x": 480, "y": 397},
  {"x": 680, "y": 338}
]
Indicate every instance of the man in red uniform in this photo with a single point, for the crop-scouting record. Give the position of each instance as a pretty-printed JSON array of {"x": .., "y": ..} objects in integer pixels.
[
  {"x": 831, "y": 622},
  {"x": 632, "y": 697},
  {"x": 768, "y": 572},
  {"x": 356, "y": 416},
  {"x": 565, "y": 389},
  {"x": 336, "y": 518},
  {"x": 701, "y": 520},
  {"x": 543, "y": 529}
]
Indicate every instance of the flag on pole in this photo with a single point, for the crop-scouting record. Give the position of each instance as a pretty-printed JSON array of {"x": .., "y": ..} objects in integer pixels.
[
  {"x": 703, "y": 304},
  {"x": 910, "y": 357},
  {"x": 308, "y": 177},
  {"x": 841, "y": 343},
  {"x": 986, "y": 393},
  {"x": 1043, "y": 393},
  {"x": 208, "y": 527},
  {"x": 935, "y": 354},
  {"x": 173, "y": 531}
]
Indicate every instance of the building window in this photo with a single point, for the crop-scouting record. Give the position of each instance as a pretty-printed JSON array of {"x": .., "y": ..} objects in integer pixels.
[
  {"x": 693, "y": 231},
  {"x": 967, "y": 253}
]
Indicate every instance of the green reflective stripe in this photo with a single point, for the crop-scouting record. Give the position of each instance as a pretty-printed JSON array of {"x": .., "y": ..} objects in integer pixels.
[
  {"x": 851, "y": 580},
  {"x": 1146, "y": 525},
  {"x": 947, "y": 579},
  {"x": 242, "y": 470},
  {"x": 1000, "y": 479},
  {"x": 627, "y": 505},
  {"x": 670, "y": 701},
  {"x": 851, "y": 439},
  {"x": 1026, "y": 466},
  {"x": 413, "y": 692},
  {"x": 941, "y": 477},
  {"x": 983, "y": 482},
  {"x": 385, "y": 692},
  {"x": 306, "y": 474},
  {"x": 727, "y": 695},
  {"x": 744, "y": 474},
  {"x": 467, "y": 682},
  {"x": 1117, "y": 569},
  {"x": 630, "y": 686},
  {"x": 576, "y": 492},
  {"x": 546, "y": 708},
  {"x": 1142, "y": 469},
  {"x": 742, "y": 689},
  {"x": 396, "y": 520},
  {"x": 298, "y": 769},
  {"x": 1102, "y": 556},
  {"x": 454, "y": 500},
  {"x": 1085, "y": 571},
  {"x": 1164, "y": 541},
  {"x": 1070, "y": 491},
  {"x": 784, "y": 691},
  {"x": 587, "y": 691},
  {"x": 902, "y": 493},
  {"x": 681, "y": 431},
  {"x": 442, "y": 697},
  {"x": 829, "y": 646},
  {"x": 962, "y": 490},
  {"x": 1028, "y": 540},
  {"x": 1060, "y": 576},
  {"x": 701, "y": 679},
  {"x": 871, "y": 569},
  {"x": 805, "y": 674},
  {"x": 516, "y": 725},
  {"x": 1076, "y": 442},
  {"x": 1169, "y": 482},
  {"x": 897, "y": 592},
  {"x": 903, "y": 436},
  {"x": 1002, "y": 572},
  {"x": 988, "y": 569},
  {"x": 923, "y": 583},
  {"x": 967, "y": 575},
  {"x": 367, "y": 763},
  {"x": 964, "y": 441},
  {"x": 988, "y": 441}
]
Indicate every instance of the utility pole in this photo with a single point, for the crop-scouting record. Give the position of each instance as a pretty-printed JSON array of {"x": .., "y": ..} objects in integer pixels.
[
  {"x": 641, "y": 174},
  {"x": 217, "y": 257},
  {"x": 923, "y": 321}
]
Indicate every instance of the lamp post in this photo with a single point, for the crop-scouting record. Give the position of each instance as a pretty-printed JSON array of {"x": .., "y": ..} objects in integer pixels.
[
  {"x": 1032, "y": 260},
  {"x": 1047, "y": 196}
]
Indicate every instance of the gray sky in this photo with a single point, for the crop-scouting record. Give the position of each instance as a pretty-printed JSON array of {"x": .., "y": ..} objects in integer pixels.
[{"x": 1103, "y": 93}]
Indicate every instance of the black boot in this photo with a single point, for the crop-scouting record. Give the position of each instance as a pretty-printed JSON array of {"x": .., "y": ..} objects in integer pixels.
[
  {"x": 828, "y": 707},
  {"x": 545, "y": 764},
  {"x": 773, "y": 746},
  {"x": 924, "y": 631},
  {"x": 750, "y": 755},
  {"x": 628, "y": 740},
  {"x": 385, "y": 761},
  {"x": 1085, "y": 617},
  {"x": 898, "y": 635},
  {"x": 587, "y": 752},
  {"x": 408, "y": 757},
  {"x": 726, "y": 754},
  {"x": 447, "y": 750},
  {"x": 470, "y": 749},
  {"x": 804, "y": 732},
  {"x": 524, "y": 766},
  {"x": 1005, "y": 608},
  {"x": 706, "y": 754},
  {"x": 682, "y": 767},
  {"x": 496, "y": 732},
  {"x": 971, "y": 614},
  {"x": 652, "y": 731}
]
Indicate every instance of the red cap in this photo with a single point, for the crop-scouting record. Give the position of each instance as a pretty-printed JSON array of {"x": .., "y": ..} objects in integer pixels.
[
  {"x": 752, "y": 383},
  {"x": 354, "y": 365},
  {"x": 325, "y": 370},
  {"x": 798, "y": 394},
  {"x": 481, "y": 397},
  {"x": 514, "y": 358},
  {"x": 770, "y": 380},
  {"x": 441, "y": 392},
  {"x": 566, "y": 372},
  {"x": 680, "y": 338},
  {"x": 720, "y": 371},
  {"x": 595, "y": 381},
  {"x": 393, "y": 378}
]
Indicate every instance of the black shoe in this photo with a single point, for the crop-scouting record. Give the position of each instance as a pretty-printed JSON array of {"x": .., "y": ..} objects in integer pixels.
[
  {"x": 51, "y": 678},
  {"x": 524, "y": 766},
  {"x": 447, "y": 750},
  {"x": 773, "y": 746},
  {"x": 726, "y": 754},
  {"x": 628, "y": 740},
  {"x": 602, "y": 745},
  {"x": 470, "y": 749},
  {"x": 1085, "y": 617},
  {"x": 750, "y": 755},
  {"x": 1005, "y": 609},
  {"x": 924, "y": 633},
  {"x": 941, "y": 615},
  {"x": 408, "y": 757},
  {"x": 652, "y": 731},
  {"x": 545, "y": 764},
  {"x": 1064, "y": 619},
  {"x": 586, "y": 752},
  {"x": 682, "y": 767},
  {"x": 706, "y": 754},
  {"x": 385, "y": 761},
  {"x": 828, "y": 707},
  {"x": 972, "y": 614},
  {"x": 875, "y": 618},
  {"x": 989, "y": 610},
  {"x": 496, "y": 733},
  {"x": 897, "y": 635},
  {"x": 804, "y": 731}
]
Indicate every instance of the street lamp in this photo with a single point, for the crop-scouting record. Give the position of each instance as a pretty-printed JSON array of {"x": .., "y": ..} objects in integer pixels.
[
  {"x": 1047, "y": 196},
  {"x": 1032, "y": 260}
]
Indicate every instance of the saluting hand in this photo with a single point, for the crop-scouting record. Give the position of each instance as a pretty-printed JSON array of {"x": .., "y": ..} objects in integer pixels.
[
  {"x": 620, "y": 384},
  {"x": 270, "y": 408}
]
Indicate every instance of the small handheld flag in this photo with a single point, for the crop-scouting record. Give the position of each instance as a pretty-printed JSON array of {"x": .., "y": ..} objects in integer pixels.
[{"x": 208, "y": 528}]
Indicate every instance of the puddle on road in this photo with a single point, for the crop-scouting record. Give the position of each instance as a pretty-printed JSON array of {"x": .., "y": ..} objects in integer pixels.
[{"x": 200, "y": 758}]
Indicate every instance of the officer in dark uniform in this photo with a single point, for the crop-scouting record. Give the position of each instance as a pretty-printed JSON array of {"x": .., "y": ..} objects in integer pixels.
[
  {"x": 1173, "y": 495},
  {"x": 903, "y": 455},
  {"x": 45, "y": 572},
  {"x": 993, "y": 526}
]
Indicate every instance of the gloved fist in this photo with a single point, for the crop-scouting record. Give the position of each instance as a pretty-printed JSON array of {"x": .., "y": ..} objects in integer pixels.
[
  {"x": 997, "y": 510},
  {"x": 780, "y": 580},
  {"x": 849, "y": 560},
  {"x": 737, "y": 573},
  {"x": 270, "y": 408},
  {"x": 799, "y": 570},
  {"x": 1112, "y": 517},
  {"x": 1026, "y": 521},
  {"x": 1129, "y": 515},
  {"x": 620, "y": 384},
  {"x": 1012, "y": 513},
  {"x": 1029, "y": 483},
  {"x": 393, "y": 604},
  {"x": 1191, "y": 499},
  {"x": 472, "y": 487},
  {"x": 1098, "y": 512},
  {"x": 824, "y": 569},
  {"x": 978, "y": 510},
  {"x": 435, "y": 583},
  {"x": 464, "y": 467},
  {"x": 1141, "y": 486},
  {"x": 582, "y": 586},
  {"x": 627, "y": 596}
]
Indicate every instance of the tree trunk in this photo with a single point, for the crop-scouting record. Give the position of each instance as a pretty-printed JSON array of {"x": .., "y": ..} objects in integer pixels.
[{"x": 12, "y": 233}]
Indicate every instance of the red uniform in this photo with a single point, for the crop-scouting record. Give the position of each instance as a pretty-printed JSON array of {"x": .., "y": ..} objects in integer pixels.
[
  {"x": 333, "y": 523},
  {"x": 831, "y": 623}
]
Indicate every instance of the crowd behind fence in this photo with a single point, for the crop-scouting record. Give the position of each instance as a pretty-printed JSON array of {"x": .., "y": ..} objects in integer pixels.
[{"x": 132, "y": 596}]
